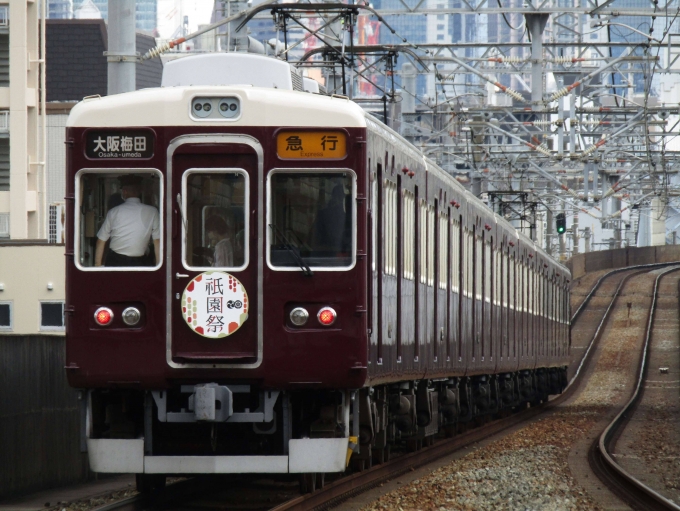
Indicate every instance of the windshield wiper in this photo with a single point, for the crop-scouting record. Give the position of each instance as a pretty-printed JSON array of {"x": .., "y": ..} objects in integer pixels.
[{"x": 306, "y": 270}]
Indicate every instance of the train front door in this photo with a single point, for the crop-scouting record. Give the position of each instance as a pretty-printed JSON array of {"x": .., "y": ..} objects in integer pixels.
[{"x": 214, "y": 252}]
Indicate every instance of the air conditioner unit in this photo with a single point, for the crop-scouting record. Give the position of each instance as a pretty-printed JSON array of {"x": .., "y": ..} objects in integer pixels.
[
  {"x": 57, "y": 217},
  {"x": 4, "y": 225}
]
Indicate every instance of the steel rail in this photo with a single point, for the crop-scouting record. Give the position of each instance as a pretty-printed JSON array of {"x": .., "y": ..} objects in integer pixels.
[
  {"x": 634, "y": 492},
  {"x": 612, "y": 272},
  {"x": 347, "y": 487}
]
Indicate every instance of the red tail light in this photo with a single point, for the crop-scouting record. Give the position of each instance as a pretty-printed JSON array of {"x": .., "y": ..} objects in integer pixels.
[
  {"x": 103, "y": 316},
  {"x": 326, "y": 316}
]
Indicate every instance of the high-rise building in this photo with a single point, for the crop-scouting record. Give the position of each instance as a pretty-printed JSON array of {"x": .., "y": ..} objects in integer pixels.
[
  {"x": 146, "y": 13},
  {"x": 60, "y": 9}
]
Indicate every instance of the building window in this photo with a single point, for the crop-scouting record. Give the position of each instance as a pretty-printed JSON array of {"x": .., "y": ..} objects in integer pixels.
[
  {"x": 5, "y": 316},
  {"x": 440, "y": 27},
  {"x": 51, "y": 315},
  {"x": 440, "y": 16},
  {"x": 440, "y": 37}
]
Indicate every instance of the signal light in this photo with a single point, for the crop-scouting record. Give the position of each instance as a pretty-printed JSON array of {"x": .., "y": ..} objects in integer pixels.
[
  {"x": 560, "y": 223},
  {"x": 103, "y": 316},
  {"x": 299, "y": 316},
  {"x": 326, "y": 316},
  {"x": 131, "y": 316}
]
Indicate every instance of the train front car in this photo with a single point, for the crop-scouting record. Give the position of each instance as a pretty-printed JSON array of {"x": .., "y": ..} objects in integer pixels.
[{"x": 216, "y": 272}]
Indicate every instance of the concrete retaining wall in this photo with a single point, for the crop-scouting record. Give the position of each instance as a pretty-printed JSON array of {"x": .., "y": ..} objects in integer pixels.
[
  {"x": 39, "y": 416},
  {"x": 621, "y": 257}
]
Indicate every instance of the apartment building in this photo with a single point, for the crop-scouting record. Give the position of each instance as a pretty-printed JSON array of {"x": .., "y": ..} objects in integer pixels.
[{"x": 38, "y": 87}]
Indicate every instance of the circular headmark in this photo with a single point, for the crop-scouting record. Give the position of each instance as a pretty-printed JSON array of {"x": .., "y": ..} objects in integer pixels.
[{"x": 215, "y": 304}]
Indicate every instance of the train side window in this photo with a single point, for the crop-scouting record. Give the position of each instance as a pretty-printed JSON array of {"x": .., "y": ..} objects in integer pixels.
[
  {"x": 479, "y": 245},
  {"x": 118, "y": 223},
  {"x": 423, "y": 242},
  {"x": 443, "y": 250},
  {"x": 215, "y": 204},
  {"x": 487, "y": 271},
  {"x": 409, "y": 233},
  {"x": 311, "y": 219},
  {"x": 455, "y": 256},
  {"x": 390, "y": 227},
  {"x": 430, "y": 245}
]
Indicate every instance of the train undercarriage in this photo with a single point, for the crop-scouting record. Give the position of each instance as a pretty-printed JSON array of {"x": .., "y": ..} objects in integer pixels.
[{"x": 237, "y": 428}]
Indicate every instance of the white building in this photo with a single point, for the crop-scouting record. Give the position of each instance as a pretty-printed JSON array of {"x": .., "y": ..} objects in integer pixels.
[{"x": 31, "y": 269}]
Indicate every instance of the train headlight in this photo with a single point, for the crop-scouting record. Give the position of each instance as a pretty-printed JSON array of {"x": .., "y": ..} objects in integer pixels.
[
  {"x": 326, "y": 316},
  {"x": 131, "y": 316},
  {"x": 103, "y": 316},
  {"x": 299, "y": 316}
]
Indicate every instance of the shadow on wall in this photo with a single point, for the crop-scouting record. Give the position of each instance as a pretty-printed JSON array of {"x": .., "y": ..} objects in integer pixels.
[
  {"x": 39, "y": 417},
  {"x": 621, "y": 258}
]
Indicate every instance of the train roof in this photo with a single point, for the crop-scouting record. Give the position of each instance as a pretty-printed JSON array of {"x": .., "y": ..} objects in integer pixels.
[{"x": 260, "y": 106}]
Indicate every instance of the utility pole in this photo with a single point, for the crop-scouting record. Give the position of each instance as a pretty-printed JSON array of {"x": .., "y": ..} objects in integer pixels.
[{"x": 122, "y": 53}]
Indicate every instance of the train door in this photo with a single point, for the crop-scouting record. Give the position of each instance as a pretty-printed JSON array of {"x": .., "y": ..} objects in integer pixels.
[{"x": 214, "y": 252}]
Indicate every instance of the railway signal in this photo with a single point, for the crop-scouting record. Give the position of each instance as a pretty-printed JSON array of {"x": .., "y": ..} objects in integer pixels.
[{"x": 561, "y": 223}]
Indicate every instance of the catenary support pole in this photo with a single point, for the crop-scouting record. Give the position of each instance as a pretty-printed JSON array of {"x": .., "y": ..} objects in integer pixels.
[{"x": 121, "y": 55}]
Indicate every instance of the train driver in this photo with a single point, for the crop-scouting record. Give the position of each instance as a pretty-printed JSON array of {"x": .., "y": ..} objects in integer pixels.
[
  {"x": 129, "y": 226},
  {"x": 329, "y": 225}
]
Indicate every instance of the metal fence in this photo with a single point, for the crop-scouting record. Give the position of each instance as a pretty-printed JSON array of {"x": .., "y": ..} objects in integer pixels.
[{"x": 39, "y": 416}]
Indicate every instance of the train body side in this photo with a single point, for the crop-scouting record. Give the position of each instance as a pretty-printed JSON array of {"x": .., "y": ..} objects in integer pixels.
[{"x": 472, "y": 297}]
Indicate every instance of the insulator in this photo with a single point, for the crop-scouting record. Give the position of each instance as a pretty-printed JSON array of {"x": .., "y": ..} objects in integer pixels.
[
  {"x": 560, "y": 93},
  {"x": 589, "y": 151},
  {"x": 509, "y": 60},
  {"x": 543, "y": 149},
  {"x": 514, "y": 94},
  {"x": 155, "y": 52}
]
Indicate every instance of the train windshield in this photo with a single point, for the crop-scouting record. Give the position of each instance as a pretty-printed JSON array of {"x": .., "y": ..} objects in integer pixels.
[
  {"x": 311, "y": 219},
  {"x": 215, "y": 218},
  {"x": 119, "y": 226}
]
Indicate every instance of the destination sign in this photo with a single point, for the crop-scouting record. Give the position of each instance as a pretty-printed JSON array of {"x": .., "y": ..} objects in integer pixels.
[
  {"x": 135, "y": 144},
  {"x": 317, "y": 145}
]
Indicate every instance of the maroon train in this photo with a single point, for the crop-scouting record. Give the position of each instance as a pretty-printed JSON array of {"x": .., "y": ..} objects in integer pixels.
[{"x": 352, "y": 296}]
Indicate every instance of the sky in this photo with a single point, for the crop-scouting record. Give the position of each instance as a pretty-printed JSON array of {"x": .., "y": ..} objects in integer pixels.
[{"x": 171, "y": 13}]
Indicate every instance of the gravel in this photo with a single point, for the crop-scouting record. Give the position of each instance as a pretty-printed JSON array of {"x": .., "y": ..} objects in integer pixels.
[
  {"x": 529, "y": 469},
  {"x": 526, "y": 470}
]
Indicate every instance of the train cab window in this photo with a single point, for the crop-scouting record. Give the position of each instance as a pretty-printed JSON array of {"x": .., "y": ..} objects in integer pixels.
[
  {"x": 118, "y": 219},
  {"x": 215, "y": 202},
  {"x": 311, "y": 219}
]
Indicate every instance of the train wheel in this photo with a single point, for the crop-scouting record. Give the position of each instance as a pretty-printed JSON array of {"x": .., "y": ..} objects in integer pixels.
[
  {"x": 307, "y": 483},
  {"x": 320, "y": 480},
  {"x": 146, "y": 483},
  {"x": 358, "y": 465},
  {"x": 379, "y": 456}
]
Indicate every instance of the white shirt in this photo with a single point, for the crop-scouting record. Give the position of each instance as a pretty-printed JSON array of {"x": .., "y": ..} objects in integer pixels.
[{"x": 130, "y": 226}]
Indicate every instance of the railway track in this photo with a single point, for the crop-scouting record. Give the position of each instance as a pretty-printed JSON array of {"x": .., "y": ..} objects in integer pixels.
[
  {"x": 627, "y": 487},
  {"x": 607, "y": 291}
]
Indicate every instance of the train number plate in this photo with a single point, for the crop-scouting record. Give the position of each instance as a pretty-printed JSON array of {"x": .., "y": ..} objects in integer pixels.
[{"x": 311, "y": 145}]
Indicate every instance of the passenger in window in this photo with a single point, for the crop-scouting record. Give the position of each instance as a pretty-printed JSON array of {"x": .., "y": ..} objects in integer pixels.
[
  {"x": 129, "y": 227},
  {"x": 329, "y": 225},
  {"x": 218, "y": 236}
]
